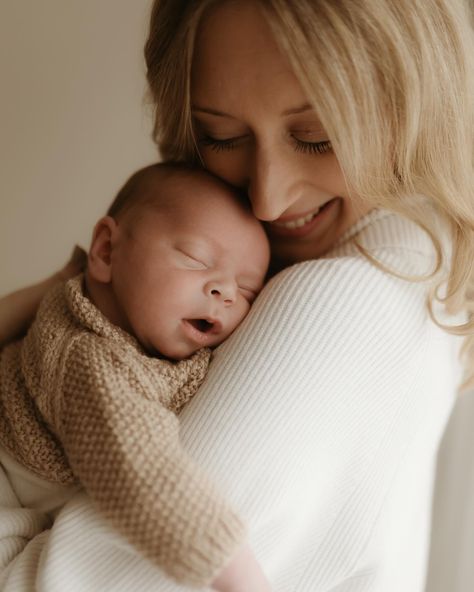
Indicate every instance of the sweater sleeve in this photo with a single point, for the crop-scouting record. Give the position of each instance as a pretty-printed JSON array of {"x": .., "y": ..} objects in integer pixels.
[{"x": 125, "y": 450}]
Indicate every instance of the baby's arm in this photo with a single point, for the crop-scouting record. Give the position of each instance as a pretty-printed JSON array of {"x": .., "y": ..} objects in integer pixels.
[
  {"x": 18, "y": 309},
  {"x": 124, "y": 447}
]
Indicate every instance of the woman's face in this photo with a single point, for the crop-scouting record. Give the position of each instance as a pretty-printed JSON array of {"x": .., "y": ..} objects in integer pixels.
[{"x": 256, "y": 129}]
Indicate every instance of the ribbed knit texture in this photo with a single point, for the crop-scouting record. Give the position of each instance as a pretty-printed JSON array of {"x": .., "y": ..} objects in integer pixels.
[
  {"x": 320, "y": 418},
  {"x": 82, "y": 401}
]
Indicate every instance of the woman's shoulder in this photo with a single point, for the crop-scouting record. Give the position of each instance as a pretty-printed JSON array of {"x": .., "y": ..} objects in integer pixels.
[
  {"x": 350, "y": 291},
  {"x": 349, "y": 302},
  {"x": 382, "y": 252},
  {"x": 395, "y": 241},
  {"x": 355, "y": 291}
]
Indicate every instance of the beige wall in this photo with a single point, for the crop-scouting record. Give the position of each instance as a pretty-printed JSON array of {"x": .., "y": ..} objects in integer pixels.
[
  {"x": 72, "y": 123},
  {"x": 72, "y": 127}
]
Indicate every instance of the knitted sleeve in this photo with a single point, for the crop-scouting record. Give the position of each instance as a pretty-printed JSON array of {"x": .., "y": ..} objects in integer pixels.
[{"x": 126, "y": 452}]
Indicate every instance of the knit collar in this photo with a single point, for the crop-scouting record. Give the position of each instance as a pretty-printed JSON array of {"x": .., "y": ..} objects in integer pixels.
[
  {"x": 361, "y": 224},
  {"x": 91, "y": 317}
]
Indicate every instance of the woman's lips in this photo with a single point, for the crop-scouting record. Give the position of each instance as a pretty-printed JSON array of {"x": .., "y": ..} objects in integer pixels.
[{"x": 300, "y": 226}]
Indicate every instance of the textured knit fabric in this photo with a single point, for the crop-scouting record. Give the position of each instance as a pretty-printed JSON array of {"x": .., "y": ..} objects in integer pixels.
[
  {"x": 320, "y": 418},
  {"x": 82, "y": 401}
]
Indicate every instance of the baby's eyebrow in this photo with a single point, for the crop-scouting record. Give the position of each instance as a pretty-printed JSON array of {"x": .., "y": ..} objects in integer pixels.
[
  {"x": 194, "y": 242},
  {"x": 198, "y": 239}
]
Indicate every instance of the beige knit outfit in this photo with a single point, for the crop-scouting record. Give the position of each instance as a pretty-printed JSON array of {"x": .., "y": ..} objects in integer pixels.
[{"x": 81, "y": 400}]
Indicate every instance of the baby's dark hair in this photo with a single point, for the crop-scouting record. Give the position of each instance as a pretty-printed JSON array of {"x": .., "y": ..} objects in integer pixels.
[{"x": 136, "y": 191}]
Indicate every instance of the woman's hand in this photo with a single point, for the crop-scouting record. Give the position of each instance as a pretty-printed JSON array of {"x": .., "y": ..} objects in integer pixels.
[
  {"x": 17, "y": 310},
  {"x": 243, "y": 574},
  {"x": 75, "y": 265}
]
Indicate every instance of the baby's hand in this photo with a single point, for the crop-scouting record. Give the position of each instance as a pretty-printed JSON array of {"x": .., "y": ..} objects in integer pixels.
[{"x": 243, "y": 574}]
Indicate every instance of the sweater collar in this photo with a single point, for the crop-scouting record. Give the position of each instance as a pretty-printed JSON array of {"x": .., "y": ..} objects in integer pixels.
[
  {"x": 89, "y": 316},
  {"x": 361, "y": 224}
]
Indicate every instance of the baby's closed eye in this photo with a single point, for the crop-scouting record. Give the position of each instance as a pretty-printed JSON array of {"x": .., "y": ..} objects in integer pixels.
[
  {"x": 249, "y": 293},
  {"x": 191, "y": 261}
]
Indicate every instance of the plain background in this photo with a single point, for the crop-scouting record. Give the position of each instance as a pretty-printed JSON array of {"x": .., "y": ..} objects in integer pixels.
[{"x": 74, "y": 123}]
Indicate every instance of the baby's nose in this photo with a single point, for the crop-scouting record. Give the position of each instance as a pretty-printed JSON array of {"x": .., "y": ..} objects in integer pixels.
[{"x": 224, "y": 290}]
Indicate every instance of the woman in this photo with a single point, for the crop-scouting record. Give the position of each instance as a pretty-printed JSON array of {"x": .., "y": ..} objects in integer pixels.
[{"x": 350, "y": 125}]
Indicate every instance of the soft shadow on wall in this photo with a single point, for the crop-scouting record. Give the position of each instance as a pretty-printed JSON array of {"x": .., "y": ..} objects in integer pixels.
[{"x": 451, "y": 558}]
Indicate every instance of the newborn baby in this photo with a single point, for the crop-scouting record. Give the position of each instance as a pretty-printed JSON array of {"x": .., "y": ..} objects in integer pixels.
[{"x": 92, "y": 392}]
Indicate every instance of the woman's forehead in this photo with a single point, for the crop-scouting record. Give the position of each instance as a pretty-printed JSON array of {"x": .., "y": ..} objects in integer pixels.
[
  {"x": 234, "y": 43},
  {"x": 231, "y": 25}
]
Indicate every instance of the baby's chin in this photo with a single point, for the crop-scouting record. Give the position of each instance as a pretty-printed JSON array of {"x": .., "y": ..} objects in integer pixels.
[
  {"x": 192, "y": 336},
  {"x": 176, "y": 352},
  {"x": 181, "y": 354}
]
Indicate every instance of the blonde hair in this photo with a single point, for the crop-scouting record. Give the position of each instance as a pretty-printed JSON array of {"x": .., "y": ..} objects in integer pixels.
[{"x": 393, "y": 85}]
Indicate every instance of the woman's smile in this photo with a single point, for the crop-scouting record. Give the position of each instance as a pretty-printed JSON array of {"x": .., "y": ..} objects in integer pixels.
[{"x": 301, "y": 225}]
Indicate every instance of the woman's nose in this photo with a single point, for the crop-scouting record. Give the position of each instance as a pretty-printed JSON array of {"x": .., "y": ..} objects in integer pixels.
[
  {"x": 224, "y": 290},
  {"x": 267, "y": 185}
]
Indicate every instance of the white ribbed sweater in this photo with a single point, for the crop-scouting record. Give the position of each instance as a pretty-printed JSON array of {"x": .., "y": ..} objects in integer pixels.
[{"x": 320, "y": 418}]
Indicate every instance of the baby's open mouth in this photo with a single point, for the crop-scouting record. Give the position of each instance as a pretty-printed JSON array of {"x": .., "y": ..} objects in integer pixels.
[
  {"x": 202, "y": 325},
  {"x": 202, "y": 331}
]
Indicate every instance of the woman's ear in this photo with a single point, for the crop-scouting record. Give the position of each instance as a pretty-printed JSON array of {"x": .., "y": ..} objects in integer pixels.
[{"x": 99, "y": 263}]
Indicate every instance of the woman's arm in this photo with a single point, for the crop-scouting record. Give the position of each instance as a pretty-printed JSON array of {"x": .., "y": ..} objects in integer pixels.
[
  {"x": 18, "y": 309},
  {"x": 309, "y": 415}
]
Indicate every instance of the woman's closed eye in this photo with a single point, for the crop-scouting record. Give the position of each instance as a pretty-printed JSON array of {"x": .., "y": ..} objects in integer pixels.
[
  {"x": 312, "y": 147},
  {"x": 220, "y": 145},
  {"x": 306, "y": 139},
  {"x": 227, "y": 144}
]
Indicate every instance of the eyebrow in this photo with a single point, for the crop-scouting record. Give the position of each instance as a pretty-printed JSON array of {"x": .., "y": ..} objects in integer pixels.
[
  {"x": 292, "y": 111},
  {"x": 302, "y": 109},
  {"x": 210, "y": 111}
]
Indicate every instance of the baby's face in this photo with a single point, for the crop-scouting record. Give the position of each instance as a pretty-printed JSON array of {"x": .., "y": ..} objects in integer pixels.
[{"x": 185, "y": 276}]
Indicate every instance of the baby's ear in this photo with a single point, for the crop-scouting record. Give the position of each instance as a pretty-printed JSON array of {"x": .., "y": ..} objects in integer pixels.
[{"x": 100, "y": 253}]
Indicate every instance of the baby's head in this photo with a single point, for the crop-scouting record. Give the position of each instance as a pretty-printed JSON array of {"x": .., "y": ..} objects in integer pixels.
[{"x": 177, "y": 261}]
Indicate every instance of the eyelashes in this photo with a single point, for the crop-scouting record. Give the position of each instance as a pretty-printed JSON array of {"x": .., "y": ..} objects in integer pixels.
[
  {"x": 248, "y": 293},
  {"x": 312, "y": 147},
  {"x": 218, "y": 145},
  {"x": 191, "y": 262},
  {"x": 299, "y": 145}
]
